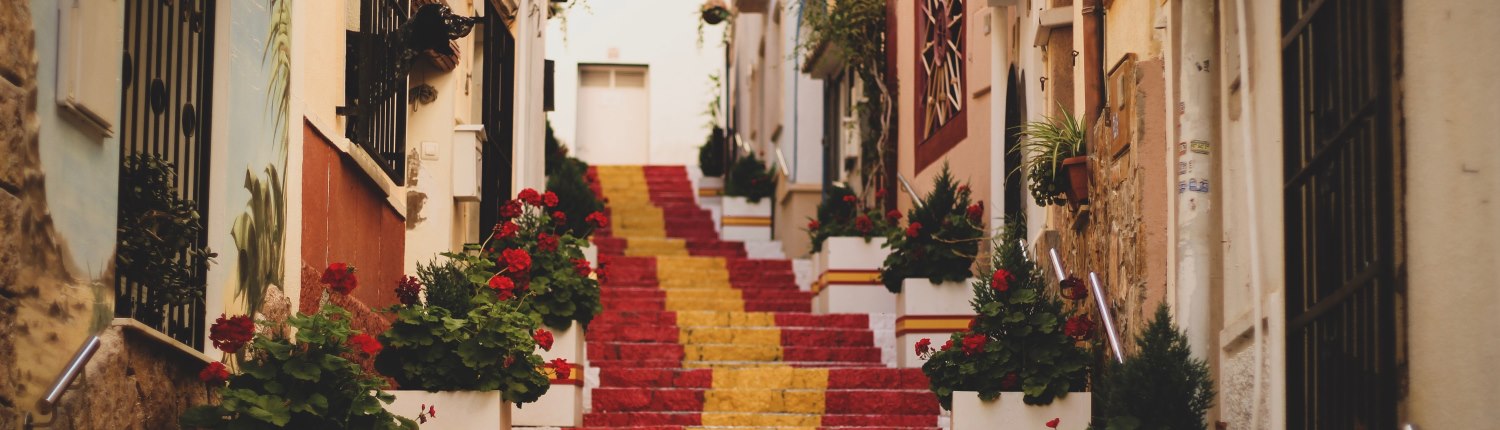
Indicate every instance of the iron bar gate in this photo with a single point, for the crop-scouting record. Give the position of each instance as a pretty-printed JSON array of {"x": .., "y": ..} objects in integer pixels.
[
  {"x": 165, "y": 112},
  {"x": 498, "y": 103},
  {"x": 1339, "y": 214}
]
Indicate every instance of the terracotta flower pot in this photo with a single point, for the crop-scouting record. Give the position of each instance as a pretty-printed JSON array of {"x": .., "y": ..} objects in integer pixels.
[{"x": 1077, "y": 169}]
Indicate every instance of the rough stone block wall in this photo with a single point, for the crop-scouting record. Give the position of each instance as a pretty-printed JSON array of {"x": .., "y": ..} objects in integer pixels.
[
  {"x": 1121, "y": 234},
  {"x": 133, "y": 382}
]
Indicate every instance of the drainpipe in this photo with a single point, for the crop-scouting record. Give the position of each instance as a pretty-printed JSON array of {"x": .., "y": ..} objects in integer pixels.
[{"x": 1197, "y": 173}]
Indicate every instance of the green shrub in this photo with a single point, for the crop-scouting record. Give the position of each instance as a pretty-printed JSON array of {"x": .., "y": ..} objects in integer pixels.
[
  {"x": 711, "y": 154},
  {"x": 750, "y": 179},
  {"x": 1163, "y": 386},
  {"x": 841, "y": 213},
  {"x": 158, "y": 237},
  {"x": 576, "y": 200},
  {"x": 941, "y": 238}
]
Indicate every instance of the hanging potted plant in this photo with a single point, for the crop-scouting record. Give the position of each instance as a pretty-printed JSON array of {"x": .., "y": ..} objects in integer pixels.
[
  {"x": 1056, "y": 160},
  {"x": 714, "y": 12},
  {"x": 1024, "y": 360}
]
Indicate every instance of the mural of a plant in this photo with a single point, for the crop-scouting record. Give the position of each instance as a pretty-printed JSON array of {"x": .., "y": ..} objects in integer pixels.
[{"x": 260, "y": 232}]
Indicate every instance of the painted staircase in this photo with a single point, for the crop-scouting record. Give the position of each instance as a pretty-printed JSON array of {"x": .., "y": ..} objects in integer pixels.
[{"x": 695, "y": 335}]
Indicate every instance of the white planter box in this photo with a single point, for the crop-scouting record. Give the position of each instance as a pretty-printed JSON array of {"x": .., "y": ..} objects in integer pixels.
[
  {"x": 745, "y": 221},
  {"x": 458, "y": 410},
  {"x": 562, "y": 406},
  {"x": 1009, "y": 412},
  {"x": 591, "y": 253},
  {"x": 927, "y": 310},
  {"x": 848, "y": 277}
]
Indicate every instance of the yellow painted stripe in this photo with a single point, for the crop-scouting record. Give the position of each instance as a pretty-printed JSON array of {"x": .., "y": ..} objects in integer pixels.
[
  {"x": 710, "y": 192},
  {"x": 747, "y": 221},
  {"x": 846, "y": 277},
  {"x": 932, "y": 324}
]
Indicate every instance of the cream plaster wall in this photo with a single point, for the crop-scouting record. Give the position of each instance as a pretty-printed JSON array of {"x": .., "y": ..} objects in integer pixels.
[
  {"x": 661, "y": 34},
  {"x": 1452, "y": 220}
]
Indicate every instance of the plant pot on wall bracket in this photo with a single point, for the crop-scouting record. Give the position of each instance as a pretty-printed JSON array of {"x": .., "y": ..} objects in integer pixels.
[
  {"x": 715, "y": 12},
  {"x": 1077, "y": 169}
]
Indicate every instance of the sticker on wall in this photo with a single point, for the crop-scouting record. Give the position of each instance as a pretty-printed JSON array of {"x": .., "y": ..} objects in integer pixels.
[{"x": 1201, "y": 146}]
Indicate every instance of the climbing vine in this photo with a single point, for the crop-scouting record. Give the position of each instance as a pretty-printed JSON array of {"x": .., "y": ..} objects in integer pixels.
[{"x": 858, "y": 29}]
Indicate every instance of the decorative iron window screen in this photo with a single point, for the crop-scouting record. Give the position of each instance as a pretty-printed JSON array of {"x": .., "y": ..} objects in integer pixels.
[
  {"x": 376, "y": 98},
  {"x": 165, "y": 112}
]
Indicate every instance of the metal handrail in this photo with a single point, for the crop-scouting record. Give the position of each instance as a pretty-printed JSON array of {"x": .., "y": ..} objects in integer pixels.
[
  {"x": 1104, "y": 314},
  {"x": 915, "y": 201},
  {"x": 48, "y": 402},
  {"x": 781, "y": 160}
]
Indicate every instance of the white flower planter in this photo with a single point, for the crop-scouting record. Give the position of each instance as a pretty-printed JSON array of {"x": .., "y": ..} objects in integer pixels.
[
  {"x": 933, "y": 311},
  {"x": 591, "y": 253},
  {"x": 745, "y": 221},
  {"x": 562, "y": 406},
  {"x": 457, "y": 410},
  {"x": 848, "y": 277},
  {"x": 1073, "y": 412}
]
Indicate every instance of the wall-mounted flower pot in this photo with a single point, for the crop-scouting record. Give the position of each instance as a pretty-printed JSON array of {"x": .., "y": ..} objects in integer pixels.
[
  {"x": 715, "y": 15},
  {"x": 1072, "y": 412},
  {"x": 1077, "y": 169}
]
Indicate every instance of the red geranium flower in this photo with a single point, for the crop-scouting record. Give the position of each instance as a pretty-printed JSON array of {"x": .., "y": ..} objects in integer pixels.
[
  {"x": 1079, "y": 327},
  {"x": 948, "y": 346},
  {"x": 581, "y": 266},
  {"x": 598, "y": 219},
  {"x": 1054, "y": 422},
  {"x": 560, "y": 365},
  {"x": 365, "y": 343},
  {"x": 813, "y": 225},
  {"x": 1011, "y": 381},
  {"x": 1073, "y": 289},
  {"x": 503, "y": 286},
  {"x": 546, "y": 242},
  {"x": 214, "y": 373},
  {"x": 516, "y": 260},
  {"x": 913, "y": 229},
  {"x": 529, "y": 196},
  {"x": 409, "y": 290},
  {"x": 549, "y": 199},
  {"x": 510, "y": 209},
  {"x": 559, "y": 217},
  {"x": 850, "y": 199},
  {"x": 924, "y": 346},
  {"x": 963, "y": 188},
  {"x": 543, "y": 339},
  {"x": 975, "y": 213},
  {"x": 879, "y": 193},
  {"x": 231, "y": 334},
  {"x": 507, "y": 230},
  {"x": 340, "y": 278},
  {"x": 1000, "y": 281},
  {"x": 974, "y": 343},
  {"x": 863, "y": 224},
  {"x": 893, "y": 215}
]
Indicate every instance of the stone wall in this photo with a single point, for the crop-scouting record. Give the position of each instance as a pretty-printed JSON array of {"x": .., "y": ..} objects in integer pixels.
[
  {"x": 134, "y": 381},
  {"x": 1122, "y": 233}
]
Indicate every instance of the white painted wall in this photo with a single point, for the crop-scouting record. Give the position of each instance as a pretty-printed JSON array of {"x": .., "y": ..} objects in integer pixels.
[
  {"x": 801, "y": 104},
  {"x": 661, "y": 34}
]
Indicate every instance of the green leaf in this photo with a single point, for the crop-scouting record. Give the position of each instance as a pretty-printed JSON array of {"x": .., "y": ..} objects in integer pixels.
[{"x": 302, "y": 369}]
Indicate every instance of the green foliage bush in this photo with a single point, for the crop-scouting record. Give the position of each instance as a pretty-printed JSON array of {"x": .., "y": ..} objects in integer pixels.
[
  {"x": 711, "y": 154},
  {"x": 1162, "y": 386},
  {"x": 310, "y": 384},
  {"x": 839, "y": 216},
  {"x": 1021, "y": 323},
  {"x": 158, "y": 237},
  {"x": 575, "y": 199},
  {"x": 941, "y": 239},
  {"x": 749, "y": 178}
]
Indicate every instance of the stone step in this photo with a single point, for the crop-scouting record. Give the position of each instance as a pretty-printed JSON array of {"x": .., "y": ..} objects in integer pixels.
[
  {"x": 873, "y": 378},
  {"x": 834, "y": 401}
]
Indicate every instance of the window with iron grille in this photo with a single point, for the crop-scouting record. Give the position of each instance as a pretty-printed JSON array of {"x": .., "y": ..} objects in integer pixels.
[
  {"x": 498, "y": 107},
  {"x": 166, "y": 97},
  {"x": 375, "y": 89}
]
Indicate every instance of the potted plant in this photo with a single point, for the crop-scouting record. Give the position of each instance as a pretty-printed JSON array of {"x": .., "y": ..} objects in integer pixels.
[
  {"x": 747, "y": 209},
  {"x": 1162, "y": 386},
  {"x": 929, "y": 263},
  {"x": 158, "y": 239},
  {"x": 1056, "y": 161},
  {"x": 714, "y": 11},
  {"x": 547, "y": 263},
  {"x": 1025, "y": 357},
  {"x": 270, "y": 379},
  {"x": 848, "y": 241}
]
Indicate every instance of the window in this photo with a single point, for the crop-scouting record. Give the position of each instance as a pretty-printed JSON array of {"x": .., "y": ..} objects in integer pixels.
[
  {"x": 164, "y": 106},
  {"x": 375, "y": 89}
]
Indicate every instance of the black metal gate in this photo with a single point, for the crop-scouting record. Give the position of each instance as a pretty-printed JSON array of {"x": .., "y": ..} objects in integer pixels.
[
  {"x": 498, "y": 101},
  {"x": 375, "y": 88},
  {"x": 165, "y": 112},
  {"x": 1340, "y": 216}
]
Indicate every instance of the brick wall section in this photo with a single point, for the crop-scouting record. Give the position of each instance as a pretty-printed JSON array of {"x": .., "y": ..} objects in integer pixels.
[{"x": 346, "y": 218}]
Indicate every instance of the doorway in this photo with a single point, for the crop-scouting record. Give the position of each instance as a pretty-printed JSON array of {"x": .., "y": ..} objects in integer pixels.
[{"x": 613, "y": 114}]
